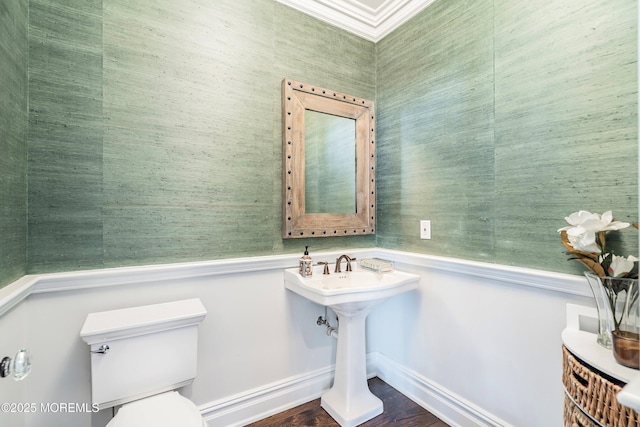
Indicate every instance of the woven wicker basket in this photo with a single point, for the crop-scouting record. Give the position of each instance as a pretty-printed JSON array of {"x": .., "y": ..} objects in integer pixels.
[
  {"x": 574, "y": 417},
  {"x": 595, "y": 394}
]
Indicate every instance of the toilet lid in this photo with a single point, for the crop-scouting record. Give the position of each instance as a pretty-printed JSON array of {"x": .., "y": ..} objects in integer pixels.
[{"x": 163, "y": 410}]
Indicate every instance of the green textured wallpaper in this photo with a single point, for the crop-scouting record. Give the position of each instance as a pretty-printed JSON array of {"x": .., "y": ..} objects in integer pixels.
[
  {"x": 435, "y": 132},
  {"x": 499, "y": 118},
  {"x": 156, "y": 127},
  {"x": 13, "y": 139},
  {"x": 65, "y": 135},
  {"x": 566, "y": 122}
]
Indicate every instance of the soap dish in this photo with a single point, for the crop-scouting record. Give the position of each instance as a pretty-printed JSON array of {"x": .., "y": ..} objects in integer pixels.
[{"x": 376, "y": 264}]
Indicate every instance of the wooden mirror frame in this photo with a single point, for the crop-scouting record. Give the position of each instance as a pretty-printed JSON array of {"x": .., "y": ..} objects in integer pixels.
[{"x": 296, "y": 223}]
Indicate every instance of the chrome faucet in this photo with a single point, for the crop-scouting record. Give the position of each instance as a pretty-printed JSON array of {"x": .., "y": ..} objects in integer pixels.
[{"x": 339, "y": 261}]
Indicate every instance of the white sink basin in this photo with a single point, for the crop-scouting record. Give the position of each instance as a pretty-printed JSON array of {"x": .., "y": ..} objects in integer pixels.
[
  {"x": 349, "y": 287},
  {"x": 352, "y": 295}
]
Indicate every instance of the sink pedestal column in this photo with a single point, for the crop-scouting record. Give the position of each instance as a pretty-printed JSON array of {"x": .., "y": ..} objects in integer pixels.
[{"x": 349, "y": 401}]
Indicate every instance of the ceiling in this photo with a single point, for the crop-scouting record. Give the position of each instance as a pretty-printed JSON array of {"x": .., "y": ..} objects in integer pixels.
[{"x": 369, "y": 19}]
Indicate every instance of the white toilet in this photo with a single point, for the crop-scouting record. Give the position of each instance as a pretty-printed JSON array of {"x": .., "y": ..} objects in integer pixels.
[{"x": 139, "y": 357}]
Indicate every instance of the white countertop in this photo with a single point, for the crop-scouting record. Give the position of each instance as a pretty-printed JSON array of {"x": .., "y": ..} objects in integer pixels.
[
  {"x": 630, "y": 395},
  {"x": 584, "y": 346}
]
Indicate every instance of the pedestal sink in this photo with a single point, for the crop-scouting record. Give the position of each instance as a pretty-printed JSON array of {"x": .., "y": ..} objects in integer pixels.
[{"x": 352, "y": 296}]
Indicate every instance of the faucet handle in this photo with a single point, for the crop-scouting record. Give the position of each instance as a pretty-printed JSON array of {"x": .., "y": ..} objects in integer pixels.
[
  {"x": 349, "y": 263},
  {"x": 326, "y": 267}
]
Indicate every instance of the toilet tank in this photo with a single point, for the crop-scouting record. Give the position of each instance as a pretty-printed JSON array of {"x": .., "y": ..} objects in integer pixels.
[{"x": 151, "y": 349}]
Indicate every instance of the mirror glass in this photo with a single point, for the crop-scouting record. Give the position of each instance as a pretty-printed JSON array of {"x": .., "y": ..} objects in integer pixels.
[
  {"x": 330, "y": 163},
  {"x": 328, "y": 166}
]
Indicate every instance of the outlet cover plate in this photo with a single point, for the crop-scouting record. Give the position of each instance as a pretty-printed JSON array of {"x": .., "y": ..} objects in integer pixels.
[{"x": 425, "y": 229}]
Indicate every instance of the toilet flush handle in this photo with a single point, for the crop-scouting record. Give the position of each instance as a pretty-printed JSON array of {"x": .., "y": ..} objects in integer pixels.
[{"x": 103, "y": 349}]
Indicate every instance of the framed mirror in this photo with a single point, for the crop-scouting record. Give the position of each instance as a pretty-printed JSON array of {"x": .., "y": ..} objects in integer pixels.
[{"x": 328, "y": 171}]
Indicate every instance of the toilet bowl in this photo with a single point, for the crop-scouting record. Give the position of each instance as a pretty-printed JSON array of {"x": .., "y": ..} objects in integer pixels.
[
  {"x": 167, "y": 409},
  {"x": 140, "y": 357}
]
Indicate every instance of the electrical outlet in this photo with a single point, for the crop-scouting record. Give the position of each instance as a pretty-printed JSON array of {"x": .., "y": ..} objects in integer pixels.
[{"x": 425, "y": 229}]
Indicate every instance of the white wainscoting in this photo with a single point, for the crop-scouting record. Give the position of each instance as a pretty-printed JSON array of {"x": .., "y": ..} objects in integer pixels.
[{"x": 478, "y": 344}]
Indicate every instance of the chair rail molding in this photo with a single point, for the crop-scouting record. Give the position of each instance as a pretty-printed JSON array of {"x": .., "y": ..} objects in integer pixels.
[{"x": 12, "y": 294}]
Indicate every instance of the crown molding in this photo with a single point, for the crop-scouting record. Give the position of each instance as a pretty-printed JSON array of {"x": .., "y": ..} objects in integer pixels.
[{"x": 358, "y": 18}]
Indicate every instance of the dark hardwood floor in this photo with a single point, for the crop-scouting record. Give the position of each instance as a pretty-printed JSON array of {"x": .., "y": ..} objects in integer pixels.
[{"x": 399, "y": 411}]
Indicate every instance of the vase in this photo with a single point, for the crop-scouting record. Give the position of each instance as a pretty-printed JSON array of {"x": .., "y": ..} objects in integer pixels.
[
  {"x": 618, "y": 316},
  {"x": 605, "y": 318}
]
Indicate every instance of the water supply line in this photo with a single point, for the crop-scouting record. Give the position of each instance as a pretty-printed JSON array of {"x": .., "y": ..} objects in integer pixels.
[{"x": 331, "y": 331}]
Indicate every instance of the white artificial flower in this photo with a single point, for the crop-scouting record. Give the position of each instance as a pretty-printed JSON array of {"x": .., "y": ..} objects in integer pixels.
[
  {"x": 620, "y": 265},
  {"x": 583, "y": 228},
  {"x": 583, "y": 240},
  {"x": 608, "y": 224}
]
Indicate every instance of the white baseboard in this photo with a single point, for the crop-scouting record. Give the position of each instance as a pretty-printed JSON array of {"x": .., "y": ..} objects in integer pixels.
[
  {"x": 446, "y": 405},
  {"x": 260, "y": 403},
  {"x": 253, "y": 405}
]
